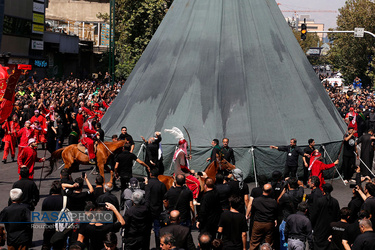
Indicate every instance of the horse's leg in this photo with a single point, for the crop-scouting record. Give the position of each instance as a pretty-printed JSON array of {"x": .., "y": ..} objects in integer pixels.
[{"x": 100, "y": 165}]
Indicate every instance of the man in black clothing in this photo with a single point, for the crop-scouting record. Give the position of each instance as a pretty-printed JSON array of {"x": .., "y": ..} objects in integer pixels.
[
  {"x": 239, "y": 188},
  {"x": 338, "y": 228},
  {"x": 76, "y": 198},
  {"x": 291, "y": 163},
  {"x": 348, "y": 160},
  {"x": 288, "y": 201},
  {"x": 180, "y": 198},
  {"x": 154, "y": 194},
  {"x": 30, "y": 192},
  {"x": 265, "y": 213},
  {"x": 327, "y": 210},
  {"x": 53, "y": 202},
  {"x": 152, "y": 158},
  {"x": 19, "y": 235},
  {"x": 228, "y": 152},
  {"x": 124, "y": 135},
  {"x": 124, "y": 168},
  {"x": 137, "y": 224},
  {"x": 215, "y": 150},
  {"x": 365, "y": 241},
  {"x": 352, "y": 231},
  {"x": 314, "y": 195},
  {"x": 367, "y": 152},
  {"x": 306, "y": 161},
  {"x": 98, "y": 190},
  {"x": 298, "y": 228},
  {"x": 290, "y": 197},
  {"x": 59, "y": 134},
  {"x": 210, "y": 209},
  {"x": 96, "y": 231},
  {"x": 223, "y": 189},
  {"x": 369, "y": 203},
  {"x": 99, "y": 129},
  {"x": 233, "y": 226},
  {"x": 108, "y": 196},
  {"x": 182, "y": 234}
]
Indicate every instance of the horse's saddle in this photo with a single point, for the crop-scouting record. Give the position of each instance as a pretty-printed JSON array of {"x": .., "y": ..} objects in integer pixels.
[{"x": 83, "y": 149}]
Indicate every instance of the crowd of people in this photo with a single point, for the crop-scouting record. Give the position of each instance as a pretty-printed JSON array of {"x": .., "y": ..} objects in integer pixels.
[{"x": 278, "y": 214}]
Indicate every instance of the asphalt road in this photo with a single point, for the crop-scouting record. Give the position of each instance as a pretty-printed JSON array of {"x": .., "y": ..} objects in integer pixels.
[{"x": 8, "y": 175}]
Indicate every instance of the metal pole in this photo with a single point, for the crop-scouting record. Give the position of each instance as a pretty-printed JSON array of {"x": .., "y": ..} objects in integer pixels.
[
  {"x": 112, "y": 41},
  {"x": 364, "y": 164},
  {"x": 339, "y": 31},
  {"x": 253, "y": 163},
  {"x": 335, "y": 165}
]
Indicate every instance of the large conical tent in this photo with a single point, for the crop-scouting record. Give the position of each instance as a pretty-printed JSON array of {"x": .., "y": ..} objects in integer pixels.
[{"x": 226, "y": 69}]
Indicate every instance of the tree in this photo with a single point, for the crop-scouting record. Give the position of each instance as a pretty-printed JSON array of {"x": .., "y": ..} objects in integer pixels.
[
  {"x": 349, "y": 54},
  {"x": 136, "y": 23}
]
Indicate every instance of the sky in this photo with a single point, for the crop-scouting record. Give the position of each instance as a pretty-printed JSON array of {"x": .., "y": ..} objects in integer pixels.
[{"x": 329, "y": 19}]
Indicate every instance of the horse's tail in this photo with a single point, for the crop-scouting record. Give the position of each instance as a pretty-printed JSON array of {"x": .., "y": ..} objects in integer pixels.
[{"x": 54, "y": 157}]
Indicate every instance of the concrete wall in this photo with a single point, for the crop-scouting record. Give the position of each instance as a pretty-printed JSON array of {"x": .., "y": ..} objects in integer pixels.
[{"x": 76, "y": 10}]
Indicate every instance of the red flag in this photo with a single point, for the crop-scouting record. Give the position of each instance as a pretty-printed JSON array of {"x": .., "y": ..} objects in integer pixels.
[
  {"x": 3, "y": 80},
  {"x": 6, "y": 105}
]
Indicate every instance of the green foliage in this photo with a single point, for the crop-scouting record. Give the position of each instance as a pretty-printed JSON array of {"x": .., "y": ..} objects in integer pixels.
[
  {"x": 349, "y": 54},
  {"x": 312, "y": 40},
  {"x": 136, "y": 22}
]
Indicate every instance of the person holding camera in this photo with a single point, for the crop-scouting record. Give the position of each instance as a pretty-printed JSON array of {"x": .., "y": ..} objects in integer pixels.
[
  {"x": 76, "y": 197},
  {"x": 288, "y": 201}
]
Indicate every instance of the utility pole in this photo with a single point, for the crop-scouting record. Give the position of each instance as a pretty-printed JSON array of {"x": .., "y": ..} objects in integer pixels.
[{"x": 111, "y": 66}]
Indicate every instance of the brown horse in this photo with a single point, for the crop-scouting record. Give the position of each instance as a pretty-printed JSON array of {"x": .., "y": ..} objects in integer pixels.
[
  {"x": 210, "y": 171},
  {"x": 72, "y": 155}
]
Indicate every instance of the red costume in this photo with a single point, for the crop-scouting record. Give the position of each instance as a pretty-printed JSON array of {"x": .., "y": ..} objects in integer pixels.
[
  {"x": 353, "y": 123},
  {"x": 80, "y": 120},
  {"x": 10, "y": 138},
  {"x": 87, "y": 138},
  {"x": 98, "y": 113},
  {"x": 28, "y": 157},
  {"x": 41, "y": 129},
  {"x": 25, "y": 134},
  {"x": 317, "y": 168}
]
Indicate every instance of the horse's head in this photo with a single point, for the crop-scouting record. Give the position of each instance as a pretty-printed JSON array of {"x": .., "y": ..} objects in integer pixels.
[{"x": 226, "y": 165}]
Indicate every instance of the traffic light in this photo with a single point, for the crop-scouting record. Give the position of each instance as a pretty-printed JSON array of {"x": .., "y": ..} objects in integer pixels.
[{"x": 303, "y": 31}]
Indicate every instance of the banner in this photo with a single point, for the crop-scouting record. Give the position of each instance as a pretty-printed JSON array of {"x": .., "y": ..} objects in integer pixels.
[{"x": 3, "y": 80}]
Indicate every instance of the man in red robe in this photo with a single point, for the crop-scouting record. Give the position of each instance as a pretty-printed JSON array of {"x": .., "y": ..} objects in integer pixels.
[
  {"x": 25, "y": 133},
  {"x": 10, "y": 138},
  {"x": 28, "y": 157},
  {"x": 80, "y": 120},
  {"x": 351, "y": 120},
  {"x": 317, "y": 167},
  {"x": 88, "y": 137},
  {"x": 39, "y": 125}
]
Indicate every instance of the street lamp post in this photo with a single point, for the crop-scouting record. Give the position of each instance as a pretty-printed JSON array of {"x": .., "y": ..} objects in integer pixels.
[{"x": 111, "y": 66}]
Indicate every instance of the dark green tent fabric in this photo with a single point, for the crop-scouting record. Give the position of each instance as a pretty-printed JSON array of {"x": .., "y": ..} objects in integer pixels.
[{"x": 226, "y": 69}]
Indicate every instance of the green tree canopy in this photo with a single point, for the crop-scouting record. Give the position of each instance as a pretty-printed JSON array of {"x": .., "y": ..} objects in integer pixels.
[
  {"x": 352, "y": 56},
  {"x": 136, "y": 22}
]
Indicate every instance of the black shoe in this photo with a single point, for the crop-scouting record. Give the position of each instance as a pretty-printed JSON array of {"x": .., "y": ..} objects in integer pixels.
[
  {"x": 91, "y": 161},
  {"x": 13, "y": 160},
  {"x": 5, "y": 161}
]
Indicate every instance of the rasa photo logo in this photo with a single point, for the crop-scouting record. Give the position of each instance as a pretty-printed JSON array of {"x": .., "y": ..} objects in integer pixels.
[{"x": 69, "y": 217}]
